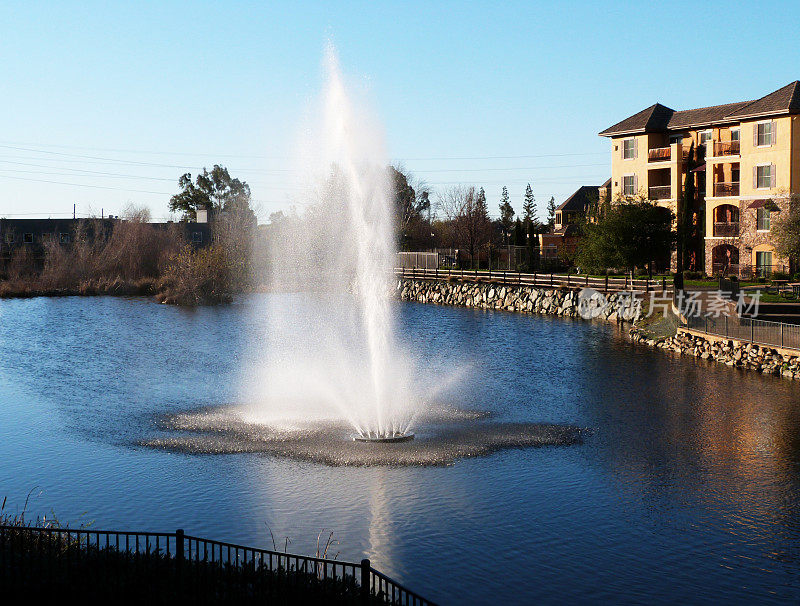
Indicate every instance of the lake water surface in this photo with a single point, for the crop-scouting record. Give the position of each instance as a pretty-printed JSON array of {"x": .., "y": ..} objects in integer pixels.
[{"x": 686, "y": 488}]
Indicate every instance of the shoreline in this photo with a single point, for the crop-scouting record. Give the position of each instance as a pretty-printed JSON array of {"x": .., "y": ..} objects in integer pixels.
[{"x": 561, "y": 301}]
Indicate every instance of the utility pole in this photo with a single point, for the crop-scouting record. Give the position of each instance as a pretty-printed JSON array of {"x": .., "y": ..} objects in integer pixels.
[{"x": 74, "y": 206}]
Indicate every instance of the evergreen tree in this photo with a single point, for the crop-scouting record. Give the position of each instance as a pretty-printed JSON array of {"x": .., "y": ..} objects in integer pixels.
[
  {"x": 481, "y": 208},
  {"x": 519, "y": 233},
  {"x": 529, "y": 210},
  {"x": 551, "y": 212},
  {"x": 506, "y": 211}
]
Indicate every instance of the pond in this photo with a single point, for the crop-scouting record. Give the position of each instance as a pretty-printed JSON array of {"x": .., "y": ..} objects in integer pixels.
[{"x": 686, "y": 486}]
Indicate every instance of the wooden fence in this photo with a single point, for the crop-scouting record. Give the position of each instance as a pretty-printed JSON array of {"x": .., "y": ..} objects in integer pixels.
[{"x": 604, "y": 284}]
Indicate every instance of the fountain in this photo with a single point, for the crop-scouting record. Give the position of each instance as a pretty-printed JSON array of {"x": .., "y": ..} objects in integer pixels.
[
  {"x": 340, "y": 255},
  {"x": 329, "y": 380}
]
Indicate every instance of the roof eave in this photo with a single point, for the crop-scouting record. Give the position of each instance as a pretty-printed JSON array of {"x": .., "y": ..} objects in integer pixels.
[
  {"x": 636, "y": 131},
  {"x": 778, "y": 112}
]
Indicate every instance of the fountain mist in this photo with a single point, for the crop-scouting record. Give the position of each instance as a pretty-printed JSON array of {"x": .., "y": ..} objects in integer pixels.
[{"x": 330, "y": 349}]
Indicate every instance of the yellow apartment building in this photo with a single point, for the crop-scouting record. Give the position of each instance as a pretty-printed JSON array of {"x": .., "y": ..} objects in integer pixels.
[{"x": 746, "y": 169}]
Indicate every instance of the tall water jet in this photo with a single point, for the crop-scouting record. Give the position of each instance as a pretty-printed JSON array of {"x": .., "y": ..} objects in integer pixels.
[{"x": 330, "y": 349}]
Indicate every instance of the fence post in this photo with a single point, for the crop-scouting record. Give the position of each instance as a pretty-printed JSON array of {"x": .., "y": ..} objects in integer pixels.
[
  {"x": 179, "y": 556},
  {"x": 365, "y": 588},
  {"x": 606, "y": 283},
  {"x": 726, "y": 326},
  {"x": 664, "y": 283},
  {"x": 587, "y": 280},
  {"x": 752, "y": 331},
  {"x": 781, "y": 334},
  {"x": 551, "y": 279}
]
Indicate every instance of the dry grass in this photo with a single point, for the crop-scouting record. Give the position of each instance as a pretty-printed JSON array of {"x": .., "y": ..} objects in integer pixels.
[{"x": 135, "y": 258}]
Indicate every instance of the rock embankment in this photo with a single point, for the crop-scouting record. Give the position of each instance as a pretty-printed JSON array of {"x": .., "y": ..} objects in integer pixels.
[
  {"x": 730, "y": 352},
  {"x": 614, "y": 307},
  {"x": 569, "y": 302}
]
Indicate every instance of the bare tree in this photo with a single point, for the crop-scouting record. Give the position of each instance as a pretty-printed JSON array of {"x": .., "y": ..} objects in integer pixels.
[{"x": 466, "y": 214}]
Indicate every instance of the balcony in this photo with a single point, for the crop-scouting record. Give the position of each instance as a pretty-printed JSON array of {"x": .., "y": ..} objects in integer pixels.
[
  {"x": 660, "y": 192},
  {"x": 726, "y": 229},
  {"x": 659, "y": 154},
  {"x": 726, "y": 148},
  {"x": 723, "y": 189}
]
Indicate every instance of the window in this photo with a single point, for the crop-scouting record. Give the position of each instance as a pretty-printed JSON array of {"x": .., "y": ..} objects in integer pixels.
[
  {"x": 64, "y": 238},
  {"x": 762, "y": 216},
  {"x": 27, "y": 238},
  {"x": 705, "y": 136},
  {"x": 764, "y": 263},
  {"x": 764, "y": 176},
  {"x": 197, "y": 237},
  {"x": 9, "y": 237},
  {"x": 629, "y": 185},
  {"x": 765, "y": 133},
  {"x": 734, "y": 134},
  {"x": 675, "y": 139},
  {"x": 628, "y": 149}
]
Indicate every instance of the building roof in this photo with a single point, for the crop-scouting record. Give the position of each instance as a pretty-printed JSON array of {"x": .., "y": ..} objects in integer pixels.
[
  {"x": 783, "y": 100},
  {"x": 654, "y": 118},
  {"x": 581, "y": 199},
  {"x": 659, "y": 118}
]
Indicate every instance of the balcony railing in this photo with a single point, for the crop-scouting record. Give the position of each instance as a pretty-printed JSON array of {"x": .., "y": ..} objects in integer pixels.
[
  {"x": 726, "y": 189},
  {"x": 659, "y": 154},
  {"x": 726, "y": 148},
  {"x": 660, "y": 192},
  {"x": 727, "y": 229},
  {"x": 725, "y": 269}
]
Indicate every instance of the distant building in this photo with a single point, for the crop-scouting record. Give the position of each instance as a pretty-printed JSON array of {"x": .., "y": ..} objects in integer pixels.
[
  {"x": 559, "y": 244},
  {"x": 748, "y": 168}
]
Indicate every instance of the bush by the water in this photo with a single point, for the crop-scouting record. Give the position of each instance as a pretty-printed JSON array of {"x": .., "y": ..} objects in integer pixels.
[{"x": 133, "y": 258}]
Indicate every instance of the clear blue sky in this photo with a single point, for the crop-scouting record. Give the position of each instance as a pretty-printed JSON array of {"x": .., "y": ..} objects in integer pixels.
[{"x": 479, "y": 93}]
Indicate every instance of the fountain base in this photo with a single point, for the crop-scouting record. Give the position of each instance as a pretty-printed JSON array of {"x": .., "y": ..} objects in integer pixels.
[{"x": 395, "y": 437}]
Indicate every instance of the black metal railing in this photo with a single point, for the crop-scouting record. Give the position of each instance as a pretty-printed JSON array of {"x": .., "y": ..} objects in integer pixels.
[
  {"x": 660, "y": 192},
  {"x": 659, "y": 154},
  {"x": 726, "y": 148},
  {"x": 144, "y": 564},
  {"x": 723, "y": 189},
  {"x": 759, "y": 332},
  {"x": 726, "y": 229},
  {"x": 605, "y": 283}
]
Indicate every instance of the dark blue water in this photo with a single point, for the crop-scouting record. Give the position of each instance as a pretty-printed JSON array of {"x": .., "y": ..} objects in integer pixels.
[{"x": 687, "y": 489}]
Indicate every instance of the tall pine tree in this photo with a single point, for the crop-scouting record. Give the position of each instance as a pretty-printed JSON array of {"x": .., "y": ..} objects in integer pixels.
[
  {"x": 529, "y": 210},
  {"x": 480, "y": 205},
  {"x": 551, "y": 212},
  {"x": 506, "y": 211}
]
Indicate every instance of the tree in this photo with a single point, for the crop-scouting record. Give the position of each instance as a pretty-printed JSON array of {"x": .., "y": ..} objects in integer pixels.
[
  {"x": 214, "y": 191},
  {"x": 551, "y": 212},
  {"x": 467, "y": 216},
  {"x": 506, "y": 211},
  {"x": 529, "y": 210},
  {"x": 412, "y": 202},
  {"x": 627, "y": 235},
  {"x": 786, "y": 230}
]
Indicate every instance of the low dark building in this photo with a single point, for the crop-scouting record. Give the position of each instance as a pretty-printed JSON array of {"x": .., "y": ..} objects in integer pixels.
[{"x": 36, "y": 235}]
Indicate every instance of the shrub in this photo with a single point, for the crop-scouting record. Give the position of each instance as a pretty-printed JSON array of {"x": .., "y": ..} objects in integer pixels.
[{"x": 195, "y": 277}]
